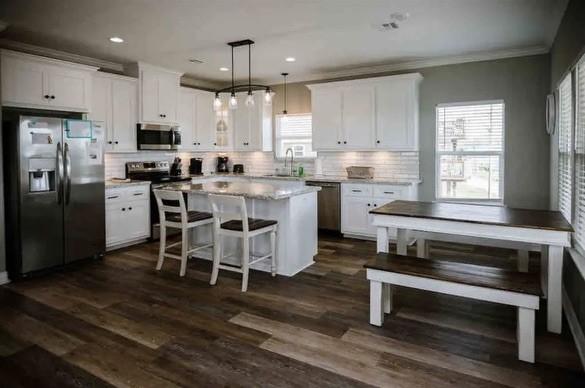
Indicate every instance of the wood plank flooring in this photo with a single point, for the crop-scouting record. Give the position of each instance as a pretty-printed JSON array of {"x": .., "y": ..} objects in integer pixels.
[{"x": 118, "y": 322}]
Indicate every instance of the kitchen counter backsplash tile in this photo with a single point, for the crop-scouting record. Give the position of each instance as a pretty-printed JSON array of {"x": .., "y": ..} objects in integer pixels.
[{"x": 387, "y": 165}]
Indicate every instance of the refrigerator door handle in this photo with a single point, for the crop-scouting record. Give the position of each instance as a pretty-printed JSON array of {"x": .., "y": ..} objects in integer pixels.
[
  {"x": 59, "y": 173},
  {"x": 67, "y": 174}
]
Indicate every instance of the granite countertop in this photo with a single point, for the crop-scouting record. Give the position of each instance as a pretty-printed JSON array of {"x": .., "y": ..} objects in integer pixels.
[
  {"x": 114, "y": 185},
  {"x": 317, "y": 178},
  {"x": 255, "y": 190}
]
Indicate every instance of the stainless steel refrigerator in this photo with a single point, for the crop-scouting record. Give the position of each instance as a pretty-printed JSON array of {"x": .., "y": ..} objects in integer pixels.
[{"x": 55, "y": 192}]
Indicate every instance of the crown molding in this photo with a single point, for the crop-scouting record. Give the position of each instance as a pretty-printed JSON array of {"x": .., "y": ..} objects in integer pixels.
[
  {"x": 61, "y": 55},
  {"x": 418, "y": 64},
  {"x": 200, "y": 84}
]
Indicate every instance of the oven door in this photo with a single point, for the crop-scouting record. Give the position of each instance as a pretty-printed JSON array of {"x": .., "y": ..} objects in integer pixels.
[{"x": 158, "y": 137}]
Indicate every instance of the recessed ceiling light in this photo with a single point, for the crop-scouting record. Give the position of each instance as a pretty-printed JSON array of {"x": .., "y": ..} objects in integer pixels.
[
  {"x": 116, "y": 39},
  {"x": 290, "y": 59},
  {"x": 224, "y": 69}
]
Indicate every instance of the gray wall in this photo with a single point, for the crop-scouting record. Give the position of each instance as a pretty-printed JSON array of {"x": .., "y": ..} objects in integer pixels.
[
  {"x": 521, "y": 82},
  {"x": 567, "y": 48}
]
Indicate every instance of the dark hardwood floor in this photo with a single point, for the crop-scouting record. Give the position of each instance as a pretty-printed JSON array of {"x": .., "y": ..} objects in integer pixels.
[{"x": 119, "y": 322}]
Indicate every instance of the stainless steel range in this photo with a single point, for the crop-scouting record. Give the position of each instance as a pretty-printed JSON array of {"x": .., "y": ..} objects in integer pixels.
[{"x": 158, "y": 173}]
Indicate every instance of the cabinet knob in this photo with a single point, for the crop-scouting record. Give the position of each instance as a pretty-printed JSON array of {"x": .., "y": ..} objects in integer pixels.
[
  {"x": 46, "y": 96},
  {"x": 123, "y": 209},
  {"x": 194, "y": 143},
  {"x": 344, "y": 142},
  {"x": 109, "y": 142},
  {"x": 368, "y": 205},
  {"x": 378, "y": 141},
  {"x": 338, "y": 142},
  {"x": 214, "y": 144},
  {"x": 115, "y": 142},
  {"x": 52, "y": 97},
  {"x": 375, "y": 205},
  {"x": 129, "y": 208}
]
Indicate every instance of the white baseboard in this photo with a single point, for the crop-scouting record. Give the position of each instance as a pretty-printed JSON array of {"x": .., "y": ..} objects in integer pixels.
[
  {"x": 576, "y": 328},
  {"x": 4, "y": 278}
]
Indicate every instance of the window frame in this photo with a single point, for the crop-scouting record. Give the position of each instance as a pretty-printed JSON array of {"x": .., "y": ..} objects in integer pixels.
[
  {"x": 501, "y": 154},
  {"x": 276, "y": 137}
]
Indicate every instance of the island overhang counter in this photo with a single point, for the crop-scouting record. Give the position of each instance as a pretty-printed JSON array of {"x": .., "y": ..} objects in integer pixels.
[{"x": 292, "y": 204}]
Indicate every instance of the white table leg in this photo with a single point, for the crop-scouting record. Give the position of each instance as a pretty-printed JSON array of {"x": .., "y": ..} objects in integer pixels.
[
  {"x": 376, "y": 308},
  {"x": 387, "y": 297},
  {"x": 525, "y": 334},
  {"x": 401, "y": 241},
  {"x": 382, "y": 239},
  {"x": 422, "y": 248},
  {"x": 555, "y": 278},
  {"x": 544, "y": 269},
  {"x": 523, "y": 260}
]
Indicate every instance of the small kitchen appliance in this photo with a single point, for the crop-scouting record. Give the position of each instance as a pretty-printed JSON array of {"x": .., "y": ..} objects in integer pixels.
[
  {"x": 176, "y": 167},
  {"x": 238, "y": 168},
  {"x": 195, "y": 166},
  {"x": 158, "y": 137},
  {"x": 222, "y": 164}
]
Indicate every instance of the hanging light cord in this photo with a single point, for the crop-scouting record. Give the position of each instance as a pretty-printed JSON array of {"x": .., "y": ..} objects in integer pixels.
[
  {"x": 249, "y": 69},
  {"x": 233, "y": 82}
]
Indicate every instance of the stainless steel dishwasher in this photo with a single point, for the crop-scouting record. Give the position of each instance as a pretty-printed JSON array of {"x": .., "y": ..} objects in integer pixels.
[{"x": 328, "y": 205}]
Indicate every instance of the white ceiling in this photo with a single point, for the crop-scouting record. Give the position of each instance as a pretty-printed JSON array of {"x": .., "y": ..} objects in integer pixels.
[{"x": 325, "y": 36}]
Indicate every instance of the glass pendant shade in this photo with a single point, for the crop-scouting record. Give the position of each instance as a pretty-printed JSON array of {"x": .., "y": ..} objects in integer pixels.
[
  {"x": 268, "y": 98},
  {"x": 217, "y": 103},
  {"x": 233, "y": 101},
  {"x": 250, "y": 100}
]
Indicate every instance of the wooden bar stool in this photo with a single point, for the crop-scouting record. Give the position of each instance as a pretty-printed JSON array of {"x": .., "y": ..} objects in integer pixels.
[
  {"x": 230, "y": 218},
  {"x": 173, "y": 214}
]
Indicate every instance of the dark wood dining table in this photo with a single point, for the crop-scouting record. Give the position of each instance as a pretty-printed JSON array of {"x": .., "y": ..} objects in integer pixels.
[{"x": 548, "y": 229}]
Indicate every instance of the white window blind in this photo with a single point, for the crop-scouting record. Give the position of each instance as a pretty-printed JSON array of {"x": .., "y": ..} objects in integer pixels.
[
  {"x": 294, "y": 132},
  {"x": 579, "y": 223},
  {"x": 565, "y": 146},
  {"x": 470, "y": 151}
]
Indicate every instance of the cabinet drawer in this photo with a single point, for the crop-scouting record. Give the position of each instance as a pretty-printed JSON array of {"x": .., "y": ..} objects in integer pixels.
[
  {"x": 115, "y": 195},
  {"x": 389, "y": 191},
  {"x": 137, "y": 193},
  {"x": 357, "y": 190}
]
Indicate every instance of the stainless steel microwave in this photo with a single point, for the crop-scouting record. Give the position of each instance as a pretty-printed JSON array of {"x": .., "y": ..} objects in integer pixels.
[{"x": 158, "y": 137}]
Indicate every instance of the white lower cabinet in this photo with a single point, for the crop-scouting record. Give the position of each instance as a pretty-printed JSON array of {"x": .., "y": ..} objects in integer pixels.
[
  {"x": 357, "y": 199},
  {"x": 127, "y": 215}
]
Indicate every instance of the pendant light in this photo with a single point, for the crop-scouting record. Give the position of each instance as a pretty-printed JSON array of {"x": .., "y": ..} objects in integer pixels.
[
  {"x": 284, "y": 112},
  {"x": 249, "y": 87}
]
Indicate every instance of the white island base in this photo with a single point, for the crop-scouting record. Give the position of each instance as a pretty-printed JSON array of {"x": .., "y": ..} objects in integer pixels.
[{"x": 296, "y": 241}]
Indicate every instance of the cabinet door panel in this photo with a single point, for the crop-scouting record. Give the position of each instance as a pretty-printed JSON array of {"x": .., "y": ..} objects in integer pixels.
[
  {"x": 124, "y": 115},
  {"x": 326, "y": 110},
  {"x": 22, "y": 82},
  {"x": 358, "y": 117},
  {"x": 70, "y": 88},
  {"x": 205, "y": 121},
  {"x": 115, "y": 232},
  {"x": 395, "y": 127},
  {"x": 168, "y": 94},
  {"x": 355, "y": 216},
  {"x": 186, "y": 119},
  {"x": 242, "y": 119},
  {"x": 101, "y": 107},
  {"x": 255, "y": 135},
  {"x": 137, "y": 219},
  {"x": 149, "y": 96}
]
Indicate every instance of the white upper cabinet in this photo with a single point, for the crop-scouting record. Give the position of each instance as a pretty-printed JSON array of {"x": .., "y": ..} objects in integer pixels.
[
  {"x": 252, "y": 126},
  {"x": 114, "y": 103},
  {"x": 30, "y": 81},
  {"x": 367, "y": 114},
  {"x": 158, "y": 94},
  {"x": 327, "y": 114},
  {"x": 197, "y": 120}
]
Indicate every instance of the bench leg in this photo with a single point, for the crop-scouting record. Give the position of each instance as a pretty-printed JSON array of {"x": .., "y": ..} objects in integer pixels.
[
  {"x": 544, "y": 269},
  {"x": 376, "y": 308},
  {"x": 523, "y": 260},
  {"x": 387, "y": 297},
  {"x": 401, "y": 241},
  {"x": 382, "y": 239},
  {"x": 525, "y": 334},
  {"x": 554, "y": 302},
  {"x": 422, "y": 248}
]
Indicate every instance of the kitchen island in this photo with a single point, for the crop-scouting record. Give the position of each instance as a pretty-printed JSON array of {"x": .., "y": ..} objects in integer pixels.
[{"x": 292, "y": 204}]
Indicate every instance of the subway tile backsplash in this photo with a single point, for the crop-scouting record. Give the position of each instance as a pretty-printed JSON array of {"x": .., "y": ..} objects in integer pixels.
[{"x": 394, "y": 165}]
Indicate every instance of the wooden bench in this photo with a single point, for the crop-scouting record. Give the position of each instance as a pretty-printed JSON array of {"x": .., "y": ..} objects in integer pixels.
[{"x": 521, "y": 290}]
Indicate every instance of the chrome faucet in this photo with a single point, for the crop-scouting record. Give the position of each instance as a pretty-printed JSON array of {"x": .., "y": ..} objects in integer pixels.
[{"x": 292, "y": 158}]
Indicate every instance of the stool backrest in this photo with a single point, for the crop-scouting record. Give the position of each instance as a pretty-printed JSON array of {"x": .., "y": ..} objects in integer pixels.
[
  {"x": 163, "y": 197},
  {"x": 227, "y": 208}
]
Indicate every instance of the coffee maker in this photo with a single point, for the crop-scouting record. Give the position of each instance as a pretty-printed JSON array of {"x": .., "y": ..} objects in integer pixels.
[
  {"x": 222, "y": 164},
  {"x": 195, "y": 166},
  {"x": 176, "y": 167}
]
